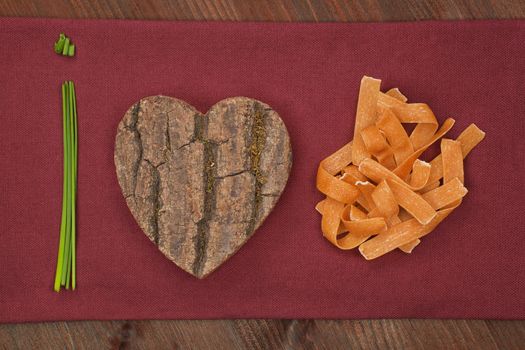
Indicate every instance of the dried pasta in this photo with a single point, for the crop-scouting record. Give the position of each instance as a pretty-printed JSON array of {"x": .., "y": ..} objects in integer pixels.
[{"x": 379, "y": 195}]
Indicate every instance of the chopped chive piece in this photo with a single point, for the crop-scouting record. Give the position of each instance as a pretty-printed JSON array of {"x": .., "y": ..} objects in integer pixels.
[
  {"x": 64, "y": 46},
  {"x": 59, "y": 45},
  {"x": 65, "y": 50}
]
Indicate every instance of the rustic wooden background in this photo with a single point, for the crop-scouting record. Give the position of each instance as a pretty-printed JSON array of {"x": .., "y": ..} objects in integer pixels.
[{"x": 267, "y": 334}]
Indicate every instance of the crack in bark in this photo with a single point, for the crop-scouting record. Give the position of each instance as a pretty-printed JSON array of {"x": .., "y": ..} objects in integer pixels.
[
  {"x": 258, "y": 141},
  {"x": 232, "y": 174},
  {"x": 209, "y": 172},
  {"x": 168, "y": 138},
  {"x": 153, "y": 165},
  {"x": 185, "y": 145},
  {"x": 156, "y": 205},
  {"x": 133, "y": 127},
  {"x": 193, "y": 140}
]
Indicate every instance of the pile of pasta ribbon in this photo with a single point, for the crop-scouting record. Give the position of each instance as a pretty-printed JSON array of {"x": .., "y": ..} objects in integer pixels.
[{"x": 379, "y": 195}]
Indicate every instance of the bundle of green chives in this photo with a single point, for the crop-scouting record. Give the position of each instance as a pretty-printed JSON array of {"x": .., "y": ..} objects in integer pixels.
[{"x": 66, "y": 262}]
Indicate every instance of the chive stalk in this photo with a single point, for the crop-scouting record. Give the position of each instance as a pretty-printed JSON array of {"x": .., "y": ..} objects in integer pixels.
[
  {"x": 66, "y": 261},
  {"x": 75, "y": 171},
  {"x": 68, "y": 196},
  {"x": 60, "y": 258}
]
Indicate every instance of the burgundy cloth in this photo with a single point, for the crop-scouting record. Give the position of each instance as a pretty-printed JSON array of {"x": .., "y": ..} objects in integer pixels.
[{"x": 471, "y": 266}]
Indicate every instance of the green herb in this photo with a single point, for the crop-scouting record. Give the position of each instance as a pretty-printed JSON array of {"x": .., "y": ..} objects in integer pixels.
[
  {"x": 75, "y": 170},
  {"x": 66, "y": 261},
  {"x": 59, "y": 45},
  {"x": 64, "y": 46},
  {"x": 65, "y": 50}
]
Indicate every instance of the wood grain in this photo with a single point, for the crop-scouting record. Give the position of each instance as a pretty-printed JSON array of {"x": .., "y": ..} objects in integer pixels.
[
  {"x": 268, "y": 10},
  {"x": 267, "y": 334}
]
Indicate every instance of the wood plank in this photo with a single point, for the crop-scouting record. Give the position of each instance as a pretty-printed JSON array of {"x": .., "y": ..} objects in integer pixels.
[
  {"x": 270, "y": 10},
  {"x": 267, "y": 334}
]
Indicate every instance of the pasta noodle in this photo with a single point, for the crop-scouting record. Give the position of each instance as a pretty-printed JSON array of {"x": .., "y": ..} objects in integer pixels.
[{"x": 379, "y": 195}]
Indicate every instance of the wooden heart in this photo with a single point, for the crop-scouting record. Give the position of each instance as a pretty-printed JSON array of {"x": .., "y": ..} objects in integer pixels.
[{"x": 198, "y": 184}]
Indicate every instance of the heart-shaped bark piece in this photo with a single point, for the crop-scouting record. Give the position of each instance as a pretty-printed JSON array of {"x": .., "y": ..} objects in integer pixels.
[{"x": 198, "y": 184}]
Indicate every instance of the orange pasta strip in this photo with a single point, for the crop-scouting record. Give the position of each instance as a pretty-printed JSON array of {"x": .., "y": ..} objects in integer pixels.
[
  {"x": 328, "y": 184},
  {"x": 384, "y": 200},
  {"x": 377, "y": 173},
  {"x": 403, "y": 169},
  {"x": 412, "y": 202},
  {"x": 409, "y": 247},
  {"x": 452, "y": 156},
  {"x": 359, "y": 231},
  {"x": 395, "y": 93},
  {"x": 359, "y": 227},
  {"x": 335, "y": 188},
  {"x": 374, "y": 141},
  {"x": 356, "y": 213},
  {"x": 418, "y": 113},
  {"x": 368, "y": 226},
  {"x": 404, "y": 215},
  {"x": 452, "y": 160},
  {"x": 366, "y": 189},
  {"x": 420, "y": 174},
  {"x": 408, "y": 112},
  {"x": 469, "y": 138},
  {"x": 338, "y": 160},
  {"x": 363, "y": 202},
  {"x": 320, "y": 206},
  {"x": 342, "y": 229},
  {"x": 386, "y": 159},
  {"x": 332, "y": 210},
  {"x": 351, "y": 241},
  {"x": 395, "y": 134},
  {"x": 351, "y": 174},
  {"x": 430, "y": 187},
  {"x": 399, "y": 235},
  {"x": 391, "y": 221},
  {"x": 445, "y": 195},
  {"x": 407, "y": 149},
  {"x": 365, "y": 115}
]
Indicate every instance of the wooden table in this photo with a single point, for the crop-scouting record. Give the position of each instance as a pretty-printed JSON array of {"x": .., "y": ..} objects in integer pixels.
[{"x": 267, "y": 334}]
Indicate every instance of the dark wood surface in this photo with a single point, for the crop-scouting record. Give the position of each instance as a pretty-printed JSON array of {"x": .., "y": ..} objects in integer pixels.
[{"x": 267, "y": 334}]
